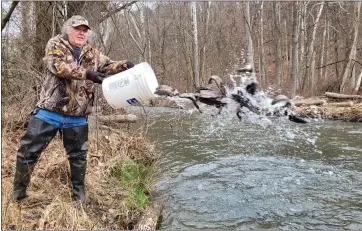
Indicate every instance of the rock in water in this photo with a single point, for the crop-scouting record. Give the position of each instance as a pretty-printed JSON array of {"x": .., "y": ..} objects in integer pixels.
[{"x": 166, "y": 90}]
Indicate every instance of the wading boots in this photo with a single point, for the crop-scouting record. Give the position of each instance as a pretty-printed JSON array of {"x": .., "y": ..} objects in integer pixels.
[
  {"x": 36, "y": 139},
  {"x": 75, "y": 140}
]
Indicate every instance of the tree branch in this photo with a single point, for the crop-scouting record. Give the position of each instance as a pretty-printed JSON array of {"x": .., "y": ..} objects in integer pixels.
[
  {"x": 8, "y": 15},
  {"x": 132, "y": 36},
  {"x": 331, "y": 63},
  {"x": 110, "y": 13}
]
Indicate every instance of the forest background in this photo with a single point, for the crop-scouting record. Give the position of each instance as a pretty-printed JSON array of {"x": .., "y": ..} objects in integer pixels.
[{"x": 302, "y": 48}]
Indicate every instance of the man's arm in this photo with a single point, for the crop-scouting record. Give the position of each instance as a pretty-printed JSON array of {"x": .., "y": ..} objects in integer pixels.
[
  {"x": 113, "y": 67},
  {"x": 55, "y": 61}
]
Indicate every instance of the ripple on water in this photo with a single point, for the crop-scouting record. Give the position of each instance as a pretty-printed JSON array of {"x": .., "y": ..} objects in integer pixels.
[
  {"x": 262, "y": 192},
  {"x": 226, "y": 174},
  {"x": 355, "y": 131}
]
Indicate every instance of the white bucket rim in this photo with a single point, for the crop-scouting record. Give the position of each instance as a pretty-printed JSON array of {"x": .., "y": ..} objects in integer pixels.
[{"x": 153, "y": 83}]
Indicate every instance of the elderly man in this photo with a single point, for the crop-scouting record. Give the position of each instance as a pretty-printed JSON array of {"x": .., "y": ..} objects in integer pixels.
[{"x": 72, "y": 67}]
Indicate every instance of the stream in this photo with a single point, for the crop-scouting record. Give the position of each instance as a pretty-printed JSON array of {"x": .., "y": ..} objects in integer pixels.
[{"x": 258, "y": 173}]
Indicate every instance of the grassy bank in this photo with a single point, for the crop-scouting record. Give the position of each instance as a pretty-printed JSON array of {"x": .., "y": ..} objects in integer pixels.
[{"x": 120, "y": 172}]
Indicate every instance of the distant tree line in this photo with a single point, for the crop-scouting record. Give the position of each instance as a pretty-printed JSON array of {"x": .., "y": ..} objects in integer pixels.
[{"x": 304, "y": 48}]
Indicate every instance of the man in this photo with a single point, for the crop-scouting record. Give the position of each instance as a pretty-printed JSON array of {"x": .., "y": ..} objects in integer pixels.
[{"x": 72, "y": 67}]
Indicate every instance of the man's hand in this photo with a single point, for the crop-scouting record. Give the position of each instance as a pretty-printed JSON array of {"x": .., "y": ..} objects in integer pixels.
[
  {"x": 125, "y": 66},
  {"x": 95, "y": 76}
]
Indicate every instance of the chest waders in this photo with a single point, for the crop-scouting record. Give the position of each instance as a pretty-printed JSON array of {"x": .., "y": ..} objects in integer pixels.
[{"x": 37, "y": 137}]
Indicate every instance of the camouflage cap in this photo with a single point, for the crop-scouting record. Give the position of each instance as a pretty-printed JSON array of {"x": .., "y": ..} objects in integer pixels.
[{"x": 78, "y": 20}]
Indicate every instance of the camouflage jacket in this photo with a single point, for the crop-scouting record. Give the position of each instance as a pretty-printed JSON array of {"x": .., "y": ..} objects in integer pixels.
[{"x": 65, "y": 88}]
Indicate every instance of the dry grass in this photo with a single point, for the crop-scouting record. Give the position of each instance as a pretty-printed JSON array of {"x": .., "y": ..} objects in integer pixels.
[{"x": 49, "y": 204}]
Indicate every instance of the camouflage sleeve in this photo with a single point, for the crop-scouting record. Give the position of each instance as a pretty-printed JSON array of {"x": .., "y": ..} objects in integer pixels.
[
  {"x": 109, "y": 66},
  {"x": 55, "y": 61}
]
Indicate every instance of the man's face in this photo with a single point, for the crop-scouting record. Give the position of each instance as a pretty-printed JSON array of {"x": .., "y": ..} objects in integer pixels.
[{"x": 78, "y": 36}]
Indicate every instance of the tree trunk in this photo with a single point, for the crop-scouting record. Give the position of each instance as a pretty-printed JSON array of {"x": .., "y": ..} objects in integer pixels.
[
  {"x": 340, "y": 104},
  {"x": 308, "y": 102},
  {"x": 206, "y": 13},
  {"x": 341, "y": 96},
  {"x": 185, "y": 49},
  {"x": 352, "y": 54},
  {"x": 145, "y": 39},
  {"x": 143, "y": 32},
  {"x": 262, "y": 52},
  {"x": 287, "y": 53},
  {"x": 294, "y": 74},
  {"x": 195, "y": 46},
  {"x": 43, "y": 31},
  {"x": 326, "y": 72},
  {"x": 248, "y": 29},
  {"x": 278, "y": 51},
  {"x": 26, "y": 26},
  {"x": 147, "y": 26},
  {"x": 303, "y": 40},
  {"x": 311, "y": 51},
  {"x": 358, "y": 83},
  {"x": 323, "y": 50},
  {"x": 336, "y": 54},
  {"x": 135, "y": 37},
  {"x": 106, "y": 28}
]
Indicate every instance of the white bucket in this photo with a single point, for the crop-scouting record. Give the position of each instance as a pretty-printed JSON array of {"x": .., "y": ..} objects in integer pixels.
[{"x": 130, "y": 87}]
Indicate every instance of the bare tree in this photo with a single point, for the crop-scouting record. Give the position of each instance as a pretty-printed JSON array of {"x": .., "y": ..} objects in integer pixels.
[
  {"x": 311, "y": 51},
  {"x": 294, "y": 74},
  {"x": 26, "y": 29},
  {"x": 8, "y": 14},
  {"x": 353, "y": 50},
  {"x": 195, "y": 45},
  {"x": 116, "y": 9},
  {"x": 137, "y": 32},
  {"x": 302, "y": 67},
  {"x": 358, "y": 83},
  {"x": 261, "y": 46},
  {"x": 43, "y": 30},
  {"x": 224, "y": 31},
  {"x": 248, "y": 29},
  {"x": 288, "y": 42},
  {"x": 146, "y": 33},
  {"x": 206, "y": 19},
  {"x": 74, "y": 8},
  {"x": 278, "y": 49},
  {"x": 324, "y": 51}
]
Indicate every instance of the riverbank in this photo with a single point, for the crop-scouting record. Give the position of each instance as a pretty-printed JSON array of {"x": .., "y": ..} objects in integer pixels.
[
  {"x": 121, "y": 170},
  {"x": 348, "y": 114},
  {"x": 331, "y": 106}
]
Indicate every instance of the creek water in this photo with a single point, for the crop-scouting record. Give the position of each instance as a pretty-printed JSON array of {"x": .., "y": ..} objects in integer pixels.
[{"x": 259, "y": 173}]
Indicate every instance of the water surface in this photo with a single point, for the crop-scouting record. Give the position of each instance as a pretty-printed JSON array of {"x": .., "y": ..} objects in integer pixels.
[{"x": 221, "y": 173}]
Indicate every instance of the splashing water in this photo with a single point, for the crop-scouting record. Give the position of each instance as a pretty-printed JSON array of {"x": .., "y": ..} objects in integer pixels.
[
  {"x": 260, "y": 99},
  {"x": 225, "y": 174},
  {"x": 258, "y": 173}
]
